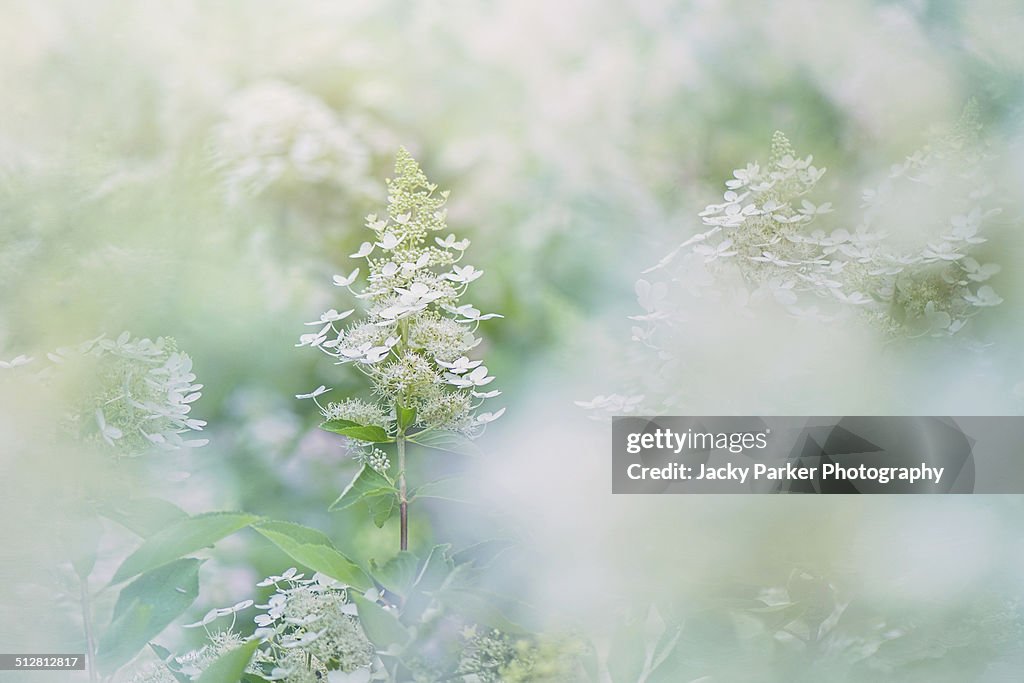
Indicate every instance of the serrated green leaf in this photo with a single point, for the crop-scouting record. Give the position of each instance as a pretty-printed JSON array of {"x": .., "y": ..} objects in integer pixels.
[
  {"x": 184, "y": 536},
  {"x": 144, "y": 608},
  {"x": 382, "y": 627},
  {"x": 143, "y": 516},
  {"x": 445, "y": 441},
  {"x": 229, "y": 667},
  {"x": 313, "y": 549},
  {"x": 367, "y": 481}
]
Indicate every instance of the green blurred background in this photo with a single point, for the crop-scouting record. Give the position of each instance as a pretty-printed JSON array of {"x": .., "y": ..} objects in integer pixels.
[{"x": 200, "y": 170}]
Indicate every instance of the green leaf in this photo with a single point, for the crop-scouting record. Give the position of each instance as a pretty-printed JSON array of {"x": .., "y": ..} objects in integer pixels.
[
  {"x": 313, "y": 549},
  {"x": 483, "y": 553},
  {"x": 449, "y": 488},
  {"x": 144, "y": 608},
  {"x": 143, "y": 516},
  {"x": 430, "y": 577},
  {"x": 353, "y": 430},
  {"x": 382, "y": 507},
  {"x": 185, "y": 536},
  {"x": 445, "y": 441},
  {"x": 229, "y": 667},
  {"x": 406, "y": 417},
  {"x": 367, "y": 481},
  {"x": 381, "y": 626},
  {"x": 398, "y": 573},
  {"x": 335, "y": 425},
  {"x": 435, "y": 570}
]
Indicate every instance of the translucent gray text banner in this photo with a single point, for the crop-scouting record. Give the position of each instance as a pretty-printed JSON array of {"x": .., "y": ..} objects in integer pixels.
[{"x": 847, "y": 455}]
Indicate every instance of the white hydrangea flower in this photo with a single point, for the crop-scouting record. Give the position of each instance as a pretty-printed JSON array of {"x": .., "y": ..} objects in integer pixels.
[
  {"x": 16, "y": 362},
  {"x": 140, "y": 396},
  {"x": 770, "y": 244},
  {"x": 416, "y": 333},
  {"x": 274, "y": 133}
]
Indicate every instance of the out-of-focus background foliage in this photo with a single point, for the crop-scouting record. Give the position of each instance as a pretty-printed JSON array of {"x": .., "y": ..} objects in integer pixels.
[{"x": 200, "y": 170}]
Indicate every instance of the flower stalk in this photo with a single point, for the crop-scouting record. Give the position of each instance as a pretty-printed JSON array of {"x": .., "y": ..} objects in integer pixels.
[{"x": 403, "y": 495}]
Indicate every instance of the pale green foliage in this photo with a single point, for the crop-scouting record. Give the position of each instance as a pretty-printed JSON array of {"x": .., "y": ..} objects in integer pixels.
[{"x": 497, "y": 657}]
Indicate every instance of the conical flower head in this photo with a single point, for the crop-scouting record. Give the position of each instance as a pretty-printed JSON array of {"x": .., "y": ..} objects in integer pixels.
[{"x": 414, "y": 340}]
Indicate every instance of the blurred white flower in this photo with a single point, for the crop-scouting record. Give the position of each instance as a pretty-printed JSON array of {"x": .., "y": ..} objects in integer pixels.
[
  {"x": 611, "y": 405},
  {"x": 486, "y": 418},
  {"x": 985, "y": 296},
  {"x": 809, "y": 209},
  {"x": 713, "y": 252},
  {"x": 20, "y": 360},
  {"x": 273, "y": 133},
  {"x": 977, "y": 272},
  {"x": 943, "y": 251},
  {"x": 108, "y": 432},
  {"x": 854, "y": 298}
]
